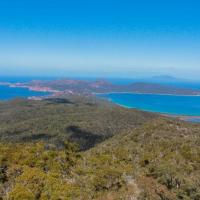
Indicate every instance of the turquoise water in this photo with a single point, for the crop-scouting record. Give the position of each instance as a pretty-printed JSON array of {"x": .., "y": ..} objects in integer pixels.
[
  {"x": 7, "y": 93},
  {"x": 180, "y": 105},
  {"x": 169, "y": 104}
]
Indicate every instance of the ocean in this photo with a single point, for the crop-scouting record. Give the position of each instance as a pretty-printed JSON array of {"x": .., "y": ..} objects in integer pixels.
[
  {"x": 7, "y": 93},
  {"x": 166, "y": 104}
]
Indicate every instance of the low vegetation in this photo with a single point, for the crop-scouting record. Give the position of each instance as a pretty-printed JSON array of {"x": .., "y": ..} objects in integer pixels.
[
  {"x": 83, "y": 120},
  {"x": 88, "y": 150}
]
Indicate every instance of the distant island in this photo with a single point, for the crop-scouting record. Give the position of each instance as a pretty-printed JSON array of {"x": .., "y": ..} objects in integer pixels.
[{"x": 62, "y": 87}]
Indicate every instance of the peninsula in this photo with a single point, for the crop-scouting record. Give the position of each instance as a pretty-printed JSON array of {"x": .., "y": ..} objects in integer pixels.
[{"x": 62, "y": 87}]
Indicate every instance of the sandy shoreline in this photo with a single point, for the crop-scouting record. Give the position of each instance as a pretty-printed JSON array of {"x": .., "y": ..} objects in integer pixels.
[
  {"x": 31, "y": 88},
  {"x": 190, "y": 118},
  {"x": 52, "y": 92}
]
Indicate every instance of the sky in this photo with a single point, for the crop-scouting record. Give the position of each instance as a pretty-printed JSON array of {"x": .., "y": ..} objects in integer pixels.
[{"x": 100, "y": 38}]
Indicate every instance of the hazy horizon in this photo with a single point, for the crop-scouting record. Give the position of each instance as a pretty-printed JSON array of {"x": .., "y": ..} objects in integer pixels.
[
  {"x": 115, "y": 79},
  {"x": 126, "y": 39}
]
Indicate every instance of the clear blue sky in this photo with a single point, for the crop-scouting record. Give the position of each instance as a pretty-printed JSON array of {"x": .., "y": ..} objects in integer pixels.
[{"x": 122, "y": 38}]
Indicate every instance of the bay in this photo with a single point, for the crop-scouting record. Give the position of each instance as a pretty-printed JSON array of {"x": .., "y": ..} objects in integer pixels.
[
  {"x": 166, "y": 104},
  {"x": 7, "y": 93}
]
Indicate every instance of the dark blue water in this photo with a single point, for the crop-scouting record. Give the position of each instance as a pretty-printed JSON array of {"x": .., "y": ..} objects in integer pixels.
[
  {"x": 169, "y": 104},
  {"x": 7, "y": 93}
]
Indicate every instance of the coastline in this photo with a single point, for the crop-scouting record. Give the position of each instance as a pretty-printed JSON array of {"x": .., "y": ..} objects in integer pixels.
[
  {"x": 48, "y": 89},
  {"x": 184, "y": 117},
  {"x": 37, "y": 88},
  {"x": 160, "y": 94},
  {"x": 188, "y": 118},
  {"x": 57, "y": 93},
  {"x": 33, "y": 89}
]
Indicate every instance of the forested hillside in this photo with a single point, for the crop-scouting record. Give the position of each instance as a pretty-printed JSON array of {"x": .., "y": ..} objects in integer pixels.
[
  {"x": 84, "y": 148},
  {"x": 83, "y": 120}
]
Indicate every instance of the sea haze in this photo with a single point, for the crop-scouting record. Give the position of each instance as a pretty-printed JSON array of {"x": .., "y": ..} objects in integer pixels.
[{"x": 168, "y": 104}]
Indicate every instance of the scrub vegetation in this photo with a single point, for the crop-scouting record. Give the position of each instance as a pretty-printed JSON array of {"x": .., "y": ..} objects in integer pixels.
[{"x": 84, "y": 148}]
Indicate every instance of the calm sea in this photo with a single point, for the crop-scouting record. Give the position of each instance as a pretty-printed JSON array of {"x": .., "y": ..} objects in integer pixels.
[
  {"x": 168, "y": 104},
  {"x": 7, "y": 93}
]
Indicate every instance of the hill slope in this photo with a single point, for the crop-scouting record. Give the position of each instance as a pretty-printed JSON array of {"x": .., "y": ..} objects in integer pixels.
[
  {"x": 132, "y": 154},
  {"x": 83, "y": 120},
  {"x": 159, "y": 160}
]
